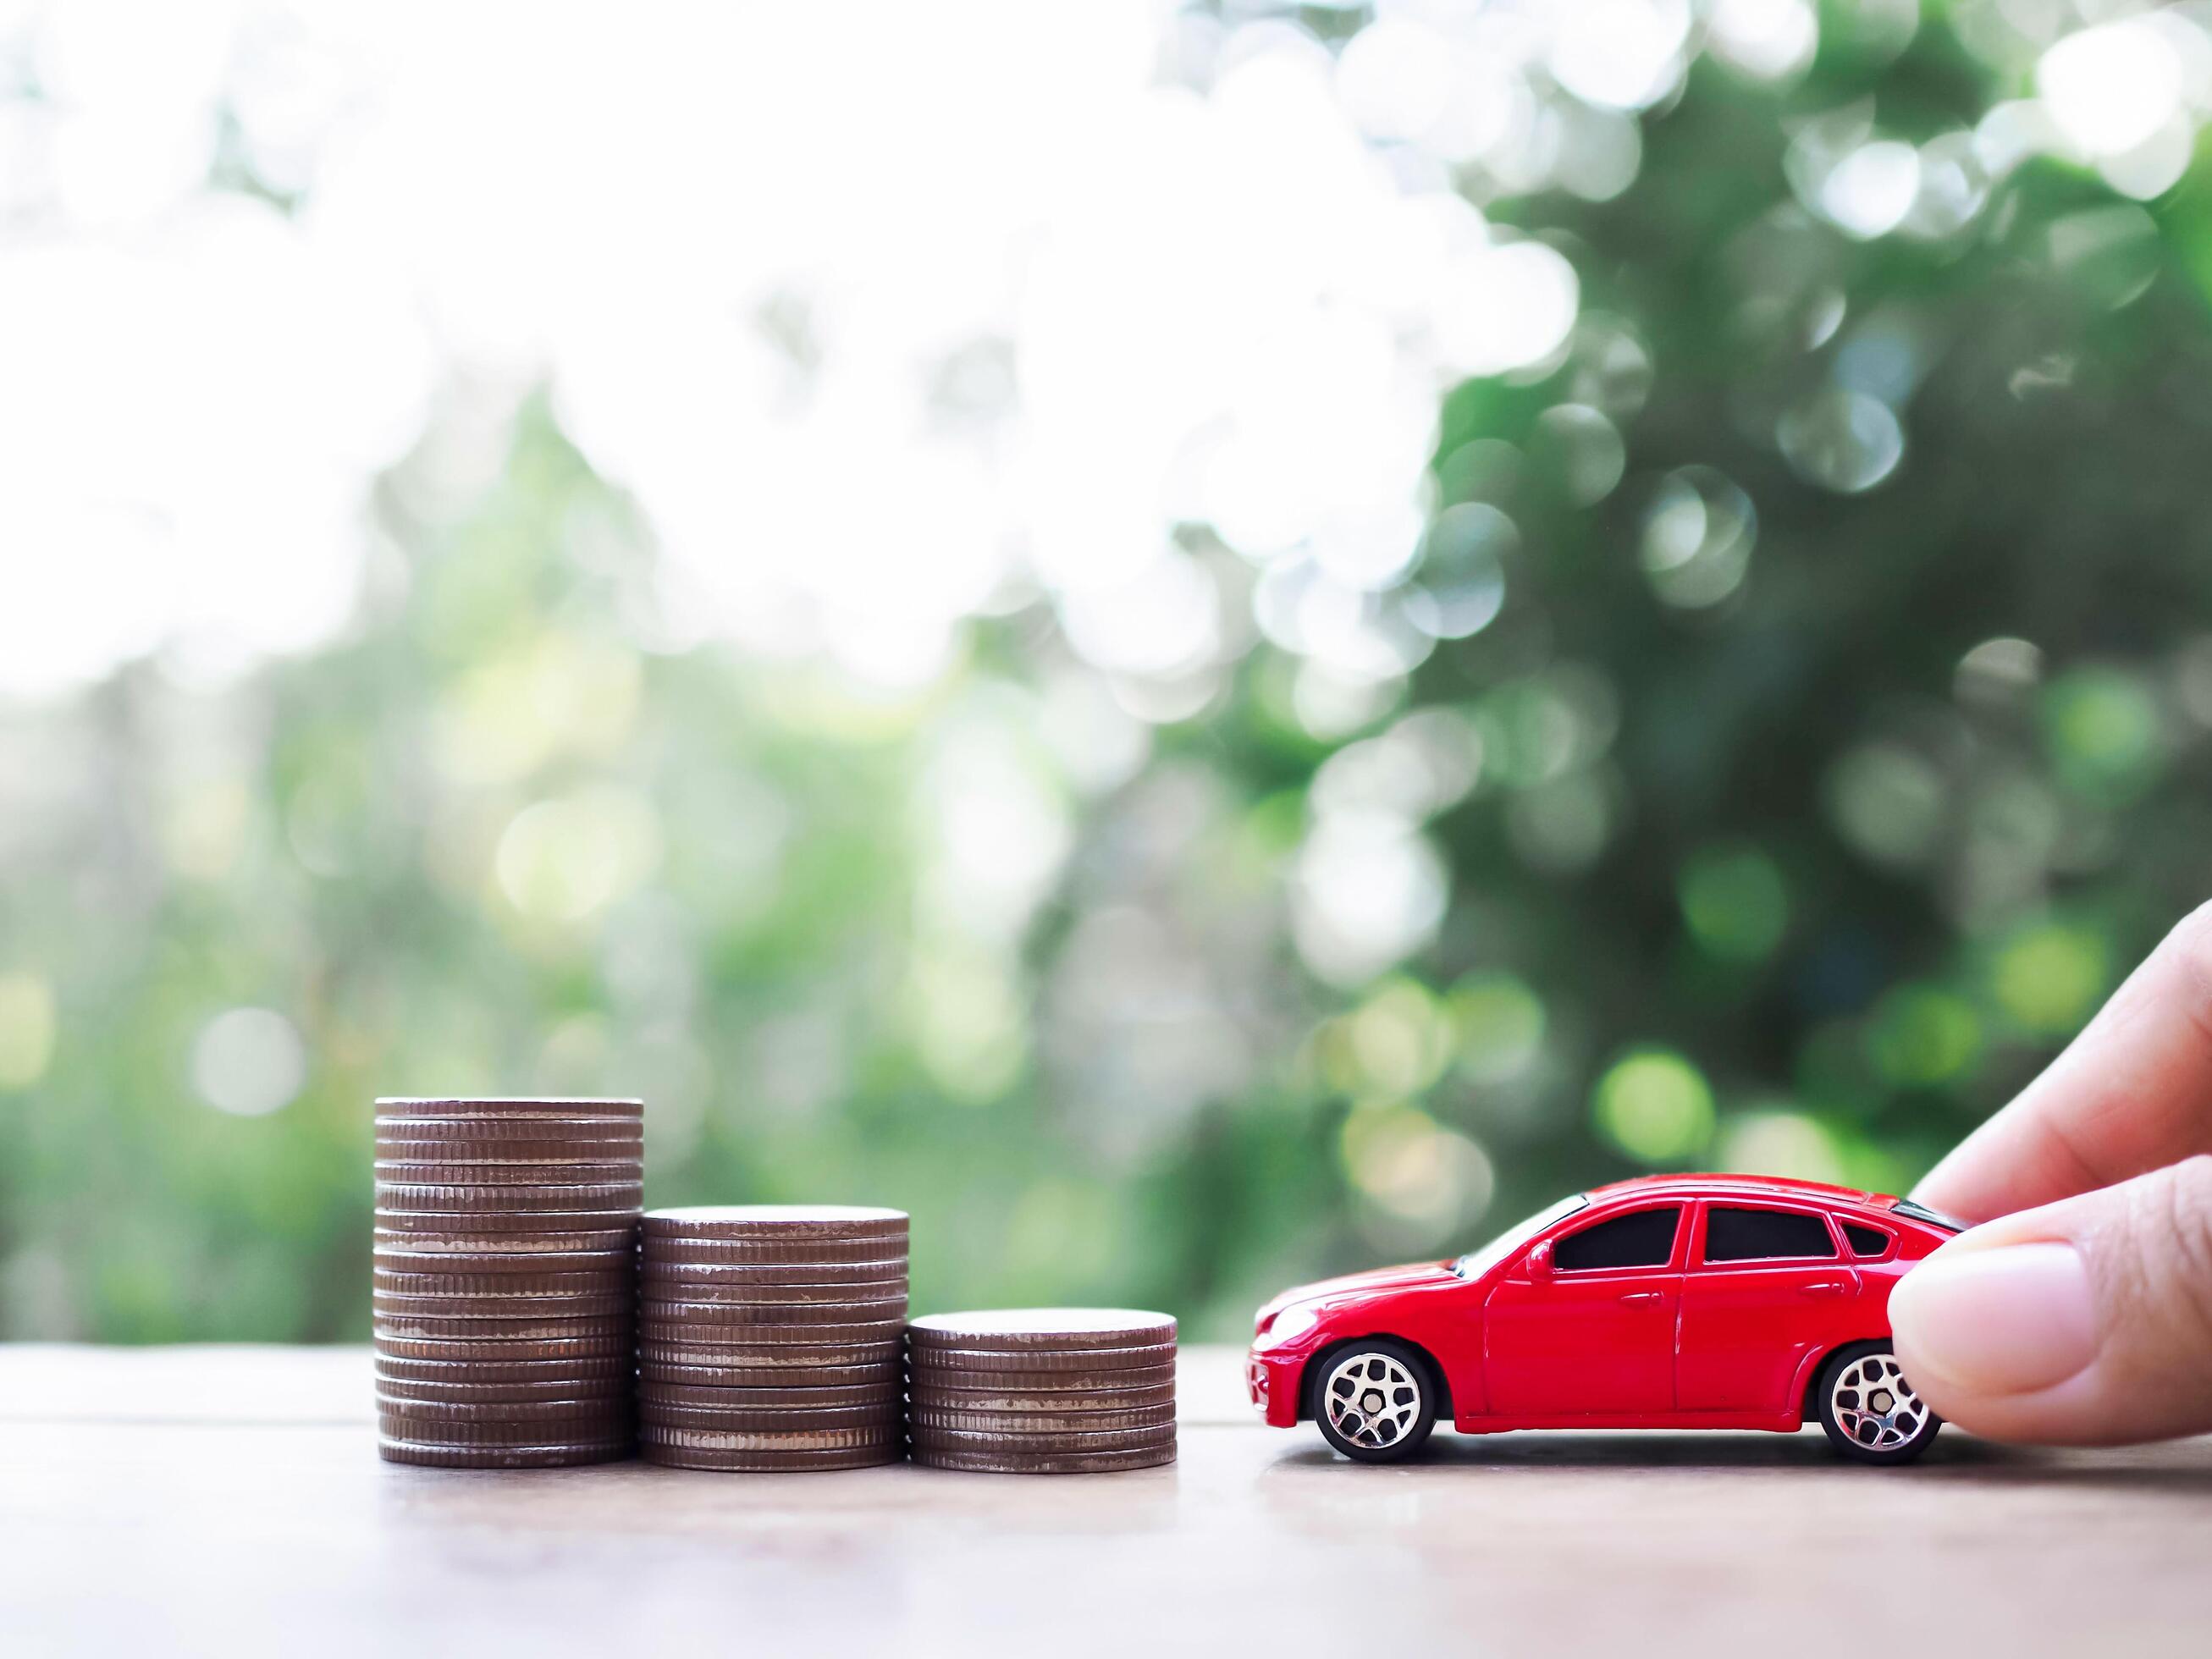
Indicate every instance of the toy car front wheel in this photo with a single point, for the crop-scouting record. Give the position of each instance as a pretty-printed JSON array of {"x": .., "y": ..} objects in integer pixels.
[
  {"x": 1374, "y": 1401},
  {"x": 1869, "y": 1411}
]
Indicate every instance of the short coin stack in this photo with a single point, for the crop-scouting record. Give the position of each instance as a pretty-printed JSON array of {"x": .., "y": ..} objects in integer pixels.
[
  {"x": 768, "y": 1336},
  {"x": 505, "y": 1275},
  {"x": 1042, "y": 1390}
]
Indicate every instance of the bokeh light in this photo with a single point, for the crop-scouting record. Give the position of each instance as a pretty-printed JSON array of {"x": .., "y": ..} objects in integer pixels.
[
  {"x": 1698, "y": 537},
  {"x": 1735, "y": 903},
  {"x": 27, "y": 1029},
  {"x": 1654, "y": 1105},
  {"x": 249, "y": 1062},
  {"x": 1923, "y": 1035},
  {"x": 2049, "y": 977},
  {"x": 1777, "y": 1141}
]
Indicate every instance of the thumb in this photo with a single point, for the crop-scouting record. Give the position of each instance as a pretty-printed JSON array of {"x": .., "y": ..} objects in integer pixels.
[{"x": 2088, "y": 1322}]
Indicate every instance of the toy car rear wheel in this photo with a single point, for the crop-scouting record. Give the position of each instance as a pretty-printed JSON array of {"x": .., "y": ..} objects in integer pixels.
[
  {"x": 1867, "y": 1409},
  {"x": 1374, "y": 1401}
]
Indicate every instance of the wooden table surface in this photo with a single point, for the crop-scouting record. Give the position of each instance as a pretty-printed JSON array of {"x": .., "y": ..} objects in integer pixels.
[{"x": 230, "y": 1501}]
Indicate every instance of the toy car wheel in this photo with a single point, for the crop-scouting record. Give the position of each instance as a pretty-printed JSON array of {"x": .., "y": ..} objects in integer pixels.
[
  {"x": 1374, "y": 1401},
  {"x": 1868, "y": 1410}
]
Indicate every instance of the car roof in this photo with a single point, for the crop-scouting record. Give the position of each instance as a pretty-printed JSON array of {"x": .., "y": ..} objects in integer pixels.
[{"x": 1740, "y": 1186}]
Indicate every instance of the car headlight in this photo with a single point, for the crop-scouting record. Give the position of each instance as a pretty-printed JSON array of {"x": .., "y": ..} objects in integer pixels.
[{"x": 1289, "y": 1325}]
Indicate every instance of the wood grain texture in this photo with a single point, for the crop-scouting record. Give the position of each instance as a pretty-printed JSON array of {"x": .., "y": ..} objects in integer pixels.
[{"x": 230, "y": 1500}]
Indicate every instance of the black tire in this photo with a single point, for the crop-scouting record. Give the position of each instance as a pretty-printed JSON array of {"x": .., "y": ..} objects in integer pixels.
[
  {"x": 1860, "y": 1416},
  {"x": 1385, "y": 1431}
]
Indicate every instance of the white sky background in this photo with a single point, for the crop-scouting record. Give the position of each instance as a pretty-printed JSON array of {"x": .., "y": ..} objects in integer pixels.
[
  {"x": 1156, "y": 303},
  {"x": 1218, "y": 306}
]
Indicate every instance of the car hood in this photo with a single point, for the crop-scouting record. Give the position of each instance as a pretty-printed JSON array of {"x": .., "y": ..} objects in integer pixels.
[{"x": 1356, "y": 1286}]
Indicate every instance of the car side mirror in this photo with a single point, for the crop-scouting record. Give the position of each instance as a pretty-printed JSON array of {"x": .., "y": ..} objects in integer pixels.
[{"x": 1540, "y": 1263}]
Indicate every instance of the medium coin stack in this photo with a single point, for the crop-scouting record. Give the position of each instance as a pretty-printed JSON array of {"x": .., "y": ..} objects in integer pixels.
[
  {"x": 505, "y": 1280},
  {"x": 768, "y": 1336},
  {"x": 1041, "y": 1390}
]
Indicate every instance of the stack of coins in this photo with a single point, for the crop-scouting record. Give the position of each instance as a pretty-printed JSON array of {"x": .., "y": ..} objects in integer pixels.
[
  {"x": 504, "y": 1299},
  {"x": 768, "y": 1336},
  {"x": 1042, "y": 1390}
]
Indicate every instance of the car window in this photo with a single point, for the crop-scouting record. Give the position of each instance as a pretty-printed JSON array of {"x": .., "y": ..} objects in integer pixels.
[
  {"x": 1949, "y": 1223},
  {"x": 1475, "y": 1263},
  {"x": 1734, "y": 1235},
  {"x": 1642, "y": 1238},
  {"x": 1866, "y": 1240}
]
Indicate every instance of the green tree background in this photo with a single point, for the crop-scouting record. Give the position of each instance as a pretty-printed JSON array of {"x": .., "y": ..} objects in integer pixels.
[{"x": 1840, "y": 736}]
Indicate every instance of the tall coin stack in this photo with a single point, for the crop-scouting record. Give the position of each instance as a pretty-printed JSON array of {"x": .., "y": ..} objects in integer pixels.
[
  {"x": 768, "y": 1336},
  {"x": 1042, "y": 1390},
  {"x": 504, "y": 1299}
]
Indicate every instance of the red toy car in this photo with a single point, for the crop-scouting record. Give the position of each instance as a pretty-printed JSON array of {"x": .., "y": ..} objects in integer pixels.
[{"x": 1671, "y": 1302}]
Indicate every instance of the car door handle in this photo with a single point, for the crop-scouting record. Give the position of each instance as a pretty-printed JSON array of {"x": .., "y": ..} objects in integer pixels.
[
  {"x": 1822, "y": 1287},
  {"x": 1643, "y": 1298}
]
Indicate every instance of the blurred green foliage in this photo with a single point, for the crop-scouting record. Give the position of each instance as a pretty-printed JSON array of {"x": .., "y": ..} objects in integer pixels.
[{"x": 1822, "y": 773}]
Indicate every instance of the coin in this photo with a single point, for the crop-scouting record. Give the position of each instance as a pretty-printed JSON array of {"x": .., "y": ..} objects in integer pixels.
[
  {"x": 443, "y": 1456},
  {"x": 602, "y": 1388},
  {"x": 394, "y": 1149},
  {"x": 571, "y": 1431},
  {"x": 886, "y": 1292},
  {"x": 393, "y": 1304},
  {"x": 1043, "y": 1362},
  {"x": 761, "y": 1440},
  {"x": 508, "y": 1109},
  {"x": 472, "y": 1224},
  {"x": 452, "y": 1132},
  {"x": 829, "y": 1375},
  {"x": 874, "y": 1313},
  {"x": 504, "y": 1285},
  {"x": 777, "y": 1221},
  {"x": 980, "y": 1462},
  {"x": 469, "y": 1131},
  {"x": 878, "y": 1339},
  {"x": 613, "y": 1344},
  {"x": 656, "y": 1324},
  {"x": 771, "y": 1251},
  {"x": 396, "y": 1259},
  {"x": 655, "y": 1268},
  {"x": 1070, "y": 1440},
  {"x": 480, "y": 1413},
  {"x": 458, "y": 1249},
  {"x": 445, "y": 1195},
  {"x": 491, "y": 1318},
  {"x": 504, "y": 1176},
  {"x": 884, "y": 1420},
  {"x": 927, "y": 1375},
  {"x": 455, "y": 1133},
  {"x": 798, "y": 1356},
  {"x": 616, "y": 1370},
  {"x": 427, "y": 1141},
  {"x": 934, "y": 1417},
  {"x": 415, "y": 1328},
  {"x": 691, "y": 1457},
  {"x": 879, "y": 1336},
  {"x": 1026, "y": 1329},
  {"x": 1030, "y": 1399},
  {"x": 884, "y": 1393}
]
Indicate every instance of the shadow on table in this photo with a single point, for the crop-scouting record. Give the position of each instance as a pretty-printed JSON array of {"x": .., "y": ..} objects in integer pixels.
[{"x": 1954, "y": 1459}]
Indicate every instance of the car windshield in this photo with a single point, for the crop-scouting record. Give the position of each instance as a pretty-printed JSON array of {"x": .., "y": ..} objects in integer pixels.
[{"x": 1477, "y": 1262}]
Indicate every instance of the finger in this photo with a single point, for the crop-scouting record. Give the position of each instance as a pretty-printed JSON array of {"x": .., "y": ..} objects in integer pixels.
[
  {"x": 2132, "y": 1093},
  {"x": 2088, "y": 1323}
]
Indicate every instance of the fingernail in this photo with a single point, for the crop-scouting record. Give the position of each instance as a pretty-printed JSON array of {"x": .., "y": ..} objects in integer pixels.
[{"x": 2007, "y": 1320}]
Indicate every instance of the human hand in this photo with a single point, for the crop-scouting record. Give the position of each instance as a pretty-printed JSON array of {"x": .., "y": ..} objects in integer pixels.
[{"x": 2084, "y": 1315}]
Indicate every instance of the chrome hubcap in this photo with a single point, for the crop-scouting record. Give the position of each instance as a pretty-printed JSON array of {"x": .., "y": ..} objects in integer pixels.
[
  {"x": 1372, "y": 1400},
  {"x": 1876, "y": 1406}
]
